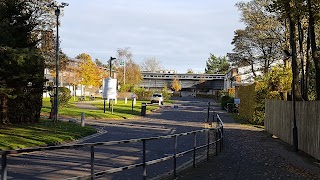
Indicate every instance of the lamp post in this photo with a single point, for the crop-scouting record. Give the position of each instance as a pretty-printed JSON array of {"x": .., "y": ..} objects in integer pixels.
[
  {"x": 57, "y": 8},
  {"x": 295, "y": 128},
  {"x": 110, "y": 64}
]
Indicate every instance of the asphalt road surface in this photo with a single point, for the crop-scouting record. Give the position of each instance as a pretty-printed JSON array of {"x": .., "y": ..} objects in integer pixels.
[{"x": 187, "y": 114}]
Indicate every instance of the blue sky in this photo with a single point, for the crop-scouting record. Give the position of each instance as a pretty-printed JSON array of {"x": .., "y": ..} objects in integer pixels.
[{"x": 180, "y": 34}]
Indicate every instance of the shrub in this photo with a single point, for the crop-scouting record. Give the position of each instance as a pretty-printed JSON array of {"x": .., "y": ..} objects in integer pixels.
[
  {"x": 64, "y": 96},
  {"x": 225, "y": 100}
]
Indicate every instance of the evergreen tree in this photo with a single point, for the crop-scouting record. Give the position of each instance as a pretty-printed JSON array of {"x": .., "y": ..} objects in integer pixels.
[
  {"x": 217, "y": 65},
  {"x": 21, "y": 67}
]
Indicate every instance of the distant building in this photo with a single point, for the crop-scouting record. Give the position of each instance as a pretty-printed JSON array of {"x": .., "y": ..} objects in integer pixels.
[{"x": 191, "y": 84}]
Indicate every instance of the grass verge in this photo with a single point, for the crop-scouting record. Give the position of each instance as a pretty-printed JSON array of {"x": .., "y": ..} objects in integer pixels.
[
  {"x": 243, "y": 121},
  {"x": 120, "y": 110},
  {"x": 40, "y": 134}
]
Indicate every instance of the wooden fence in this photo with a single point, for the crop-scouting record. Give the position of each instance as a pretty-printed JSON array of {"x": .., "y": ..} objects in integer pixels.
[{"x": 279, "y": 122}]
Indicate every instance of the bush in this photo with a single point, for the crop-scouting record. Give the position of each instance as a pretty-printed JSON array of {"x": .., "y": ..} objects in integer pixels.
[
  {"x": 64, "y": 96},
  {"x": 225, "y": 100},
  {"x": 166, "y": 95}
]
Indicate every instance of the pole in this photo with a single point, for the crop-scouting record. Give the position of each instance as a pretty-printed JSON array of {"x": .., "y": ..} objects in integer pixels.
[
  {"x": 104, "y": 105},
  {"x": 57, "y": 13},
  {"x": 110, "y": 66},
  {"x": 294, "y": 129},
  {"x": 124, "y": 72}
]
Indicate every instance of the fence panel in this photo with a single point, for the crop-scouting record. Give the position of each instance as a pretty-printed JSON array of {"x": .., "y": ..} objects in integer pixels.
[{"x": 279, "y": 121}]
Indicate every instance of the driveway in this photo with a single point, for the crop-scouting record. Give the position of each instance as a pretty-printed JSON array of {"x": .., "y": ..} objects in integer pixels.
[{"x": 186, "y": 115}]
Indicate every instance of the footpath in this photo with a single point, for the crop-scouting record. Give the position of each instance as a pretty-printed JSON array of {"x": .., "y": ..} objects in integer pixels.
[{"x": 251, "y": 153}]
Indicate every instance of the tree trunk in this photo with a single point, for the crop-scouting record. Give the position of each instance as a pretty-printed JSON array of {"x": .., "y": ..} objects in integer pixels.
[
  {"x": 301, "y": 39},
  {"x": 306, "y": 81},
  {"x": 295, "y": 70},
  {"x": 314, "y": 54}
]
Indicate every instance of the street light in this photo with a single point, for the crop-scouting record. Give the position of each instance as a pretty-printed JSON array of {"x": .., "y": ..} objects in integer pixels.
[
  {"x": 57, "y": 13},
  {"x": 294, "y": 129},
  {"x": 110, "y": 64}
]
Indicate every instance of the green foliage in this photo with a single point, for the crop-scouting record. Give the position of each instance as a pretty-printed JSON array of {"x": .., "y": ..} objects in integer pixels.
[
  {"x": 225, "y": 100},
  {"x": 166, "y": 95},
  {"x": 64, "y": 96},
  {"x": 216, "y": 65},
  {"x": 21, "y": 81},
  {"x": 142, "y": 93}
]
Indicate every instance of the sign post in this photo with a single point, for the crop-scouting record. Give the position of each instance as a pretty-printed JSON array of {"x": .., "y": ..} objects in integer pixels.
[{"x": 109, "y": 90}]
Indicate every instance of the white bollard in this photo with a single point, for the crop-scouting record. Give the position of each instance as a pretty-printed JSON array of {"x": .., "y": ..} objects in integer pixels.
[
  {"x": 125, "y": 100},
  {"x": 82, "y": 119},
  {"x": 134, "y": 101}
]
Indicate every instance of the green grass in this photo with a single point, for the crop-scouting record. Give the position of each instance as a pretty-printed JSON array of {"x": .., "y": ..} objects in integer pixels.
[
  {"x": 243, "y": 121},
  {"x": 40, "y": 134},
  {"x": 120, "y": 110}
]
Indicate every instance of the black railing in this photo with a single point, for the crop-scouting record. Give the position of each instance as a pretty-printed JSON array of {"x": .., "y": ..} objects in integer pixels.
[{"x": 218, "y": 142}]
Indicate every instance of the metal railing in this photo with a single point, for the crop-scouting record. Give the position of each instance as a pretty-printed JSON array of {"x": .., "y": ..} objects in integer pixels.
[{"x": 218, "y": 141}]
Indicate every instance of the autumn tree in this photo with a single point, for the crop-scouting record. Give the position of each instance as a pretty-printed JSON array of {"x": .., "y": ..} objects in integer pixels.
[
  {"x": 129, "y": 74},
  {"x": 215, "y": 65},
  {"x": 175, "y": 86},
  {"x": 88, "y": 71},
  {"x": 151, "y": 64}
]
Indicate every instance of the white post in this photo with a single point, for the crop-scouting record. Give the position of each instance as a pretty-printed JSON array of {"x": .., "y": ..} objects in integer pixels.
[
  {"x": 125, "y": 100},
  {"x": 134, "y": 101},
  {"x": 82, "y": 119}
]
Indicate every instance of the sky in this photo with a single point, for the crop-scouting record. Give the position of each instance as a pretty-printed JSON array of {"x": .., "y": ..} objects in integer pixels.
[{"x": 180, "y": 34}]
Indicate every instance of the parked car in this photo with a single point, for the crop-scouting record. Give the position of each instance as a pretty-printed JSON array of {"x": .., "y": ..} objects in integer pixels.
[{"x": 156, "y": 98}]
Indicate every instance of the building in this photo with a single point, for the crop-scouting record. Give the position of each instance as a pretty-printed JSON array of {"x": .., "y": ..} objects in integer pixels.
[{"x": 191, "y": 84}]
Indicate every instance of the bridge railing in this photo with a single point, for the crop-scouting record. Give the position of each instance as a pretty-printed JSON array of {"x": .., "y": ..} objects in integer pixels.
[{"x": 216, "y": 140}]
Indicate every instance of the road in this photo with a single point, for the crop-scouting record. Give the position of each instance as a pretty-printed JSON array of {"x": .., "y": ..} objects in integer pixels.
[{"x": 189, "y": 114}]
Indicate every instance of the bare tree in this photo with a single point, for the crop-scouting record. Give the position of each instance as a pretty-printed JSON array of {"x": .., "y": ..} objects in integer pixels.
[{"x": 150, "y": 64}]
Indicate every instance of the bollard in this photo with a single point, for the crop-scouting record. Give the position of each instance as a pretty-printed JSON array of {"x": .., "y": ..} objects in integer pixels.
[
  {"x": 143, "y": 109},
  {"x": 82, "y": 119},
  {"x": 134, "y": 101},
  {"x": 125, "y": 100}
]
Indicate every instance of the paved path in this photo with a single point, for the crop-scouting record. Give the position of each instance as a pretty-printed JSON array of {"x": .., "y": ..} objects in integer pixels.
[
  {"x": 251, "y": 153},
  {"x": 85, "y": 105}
]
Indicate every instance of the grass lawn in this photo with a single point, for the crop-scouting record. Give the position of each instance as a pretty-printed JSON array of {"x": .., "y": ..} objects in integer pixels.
[
  {"x": 40, "y": 134},
  {"x": 120, "y": 110}
]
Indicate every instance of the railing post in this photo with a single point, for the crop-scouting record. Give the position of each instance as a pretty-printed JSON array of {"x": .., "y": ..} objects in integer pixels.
[
  {"x": 4, "y": 167},
  {"x": 92, "y": 162},
  {"x": 220, "y": 139},
  {"x": 208, "y": 145},
  {"x": 175, "y": 156},
  {"x": 208, "y": 115},
  {"x": 194, "y": 148},
  {"x": 144, "y": 160},
  {"x": 216, "y": 142}
]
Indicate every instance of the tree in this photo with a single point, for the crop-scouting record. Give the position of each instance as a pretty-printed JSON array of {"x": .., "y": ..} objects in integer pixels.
[
  {"x": 175, "y": 85},
  {"x": 261, "y": 42},
  {"x": 215, "y": 65},
  {"x": 98, "y": 63},
  {"x": 22, "y": 64},
  {"x": 151, "y": 65},
  {"x": 88, "y": 71},
  {"x": 190, "y": 71},
  {"x": 129, "y": 75}
]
